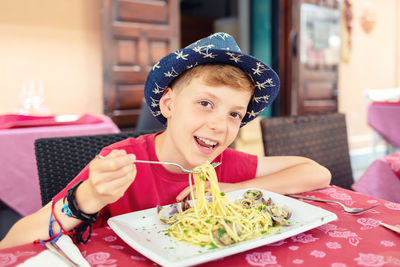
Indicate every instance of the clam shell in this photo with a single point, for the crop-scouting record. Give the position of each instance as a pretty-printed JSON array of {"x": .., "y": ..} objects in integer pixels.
[
  {"x": 165, "y": 213},
  {"x": 253, "y": 195}
]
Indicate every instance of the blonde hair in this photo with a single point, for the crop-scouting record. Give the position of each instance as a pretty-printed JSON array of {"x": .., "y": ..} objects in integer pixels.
[{"x": 216, "y": 75}]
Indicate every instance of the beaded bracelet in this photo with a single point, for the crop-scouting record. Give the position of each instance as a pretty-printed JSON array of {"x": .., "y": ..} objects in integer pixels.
[
  {"x": 73, "y": 210},
  {"x": 65, "y": 208}
]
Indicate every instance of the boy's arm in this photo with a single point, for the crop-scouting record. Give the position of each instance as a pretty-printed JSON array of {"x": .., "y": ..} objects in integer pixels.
[
  {"x": 36, "y": 226},
  {"x": 107, "y": 182},
  {"x": 285, "y": 175}
]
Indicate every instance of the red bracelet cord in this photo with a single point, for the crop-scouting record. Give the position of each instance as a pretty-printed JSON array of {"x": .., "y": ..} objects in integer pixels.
[{"x": 59, "y": 224}]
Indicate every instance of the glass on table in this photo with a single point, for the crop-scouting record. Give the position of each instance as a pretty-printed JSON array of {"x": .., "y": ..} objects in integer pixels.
[{"x": 32, "y": 99}]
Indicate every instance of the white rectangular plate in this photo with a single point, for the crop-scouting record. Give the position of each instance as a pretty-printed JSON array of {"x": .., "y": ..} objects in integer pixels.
[{"x": 143, "y": 231}]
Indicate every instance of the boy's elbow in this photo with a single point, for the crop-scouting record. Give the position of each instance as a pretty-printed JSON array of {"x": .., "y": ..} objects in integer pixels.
[
  {"x": 324, "y": 177},
  {"x": 321, "y": 176}
]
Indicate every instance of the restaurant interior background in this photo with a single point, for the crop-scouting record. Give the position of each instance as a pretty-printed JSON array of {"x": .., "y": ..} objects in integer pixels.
[{"x": 60, "y": 43}]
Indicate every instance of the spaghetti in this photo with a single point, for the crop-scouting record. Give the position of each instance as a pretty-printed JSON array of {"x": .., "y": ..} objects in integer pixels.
[{"x": 220, "y": 222}]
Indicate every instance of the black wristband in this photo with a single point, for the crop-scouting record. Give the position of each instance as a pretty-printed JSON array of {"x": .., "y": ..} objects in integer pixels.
[{"x": 75, "y": 211}]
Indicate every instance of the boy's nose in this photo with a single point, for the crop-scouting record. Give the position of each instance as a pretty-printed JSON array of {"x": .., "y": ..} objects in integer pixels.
[{"x": 217, "y": 123}]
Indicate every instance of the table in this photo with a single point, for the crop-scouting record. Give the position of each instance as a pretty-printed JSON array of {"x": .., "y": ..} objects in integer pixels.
[
  {"x": 381, "y": 179},
  {"x": 18, "y": 173},
  {"x": 384, "y": 118},
  {"x": 352, "y": 240}
]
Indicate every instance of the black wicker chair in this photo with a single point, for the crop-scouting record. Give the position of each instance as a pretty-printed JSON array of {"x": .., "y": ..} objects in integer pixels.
[
  {"x": 60, "y": 159},
  {"x": 322, "y": 138}
]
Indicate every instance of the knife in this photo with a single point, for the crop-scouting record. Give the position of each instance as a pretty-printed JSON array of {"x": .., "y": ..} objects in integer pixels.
[{"x": 391, "y": 227}]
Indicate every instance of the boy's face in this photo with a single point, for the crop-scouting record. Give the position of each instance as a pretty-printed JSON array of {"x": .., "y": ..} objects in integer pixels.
[{"x": 203, "y": 120}]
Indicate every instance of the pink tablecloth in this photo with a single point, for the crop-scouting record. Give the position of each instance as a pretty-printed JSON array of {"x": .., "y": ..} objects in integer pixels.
[
  {"x": 18, "y": 173},
  {"x": 385, "y": 119},
  {"x": 381, "y": 179},
  {"x": 352, "y": 240}
]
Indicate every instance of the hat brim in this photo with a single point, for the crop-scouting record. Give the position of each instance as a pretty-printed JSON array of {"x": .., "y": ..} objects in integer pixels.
[{"x": 265, "y": 79}]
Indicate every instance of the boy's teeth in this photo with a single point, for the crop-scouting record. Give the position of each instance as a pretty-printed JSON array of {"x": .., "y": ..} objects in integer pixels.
[{"x": 208, "y": 142}]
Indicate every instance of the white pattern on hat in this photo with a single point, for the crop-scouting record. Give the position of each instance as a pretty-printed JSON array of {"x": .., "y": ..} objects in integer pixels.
[
  {"x": 203, "y": 50},
  {"x": 179, "y": 54},
  {"x": 158, "y": 89},
  {"x": 156, "y": 66},
  {"x": 192, "y": 66},
  {"x": 263, "y": 99},
  {"x": 259, "y": 69},
  {"x": 252, "y": 114},
  {"x": 234, "y": 57},
  {"x": 156, "y": 113},
  {"x": 223, "y": 35},
  {"x": 171, "y": 73},
  {"x": 154, "y": 102},
  {"x": 255, "y": 114},
  {"x": 267, "y": 83}
]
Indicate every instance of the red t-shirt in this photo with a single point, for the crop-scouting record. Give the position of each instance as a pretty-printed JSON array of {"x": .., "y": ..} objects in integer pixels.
[{"x": 154, "y": 185}]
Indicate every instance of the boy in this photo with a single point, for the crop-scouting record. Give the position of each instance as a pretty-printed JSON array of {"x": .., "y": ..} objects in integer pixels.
[{"x": 204, "y": 93}]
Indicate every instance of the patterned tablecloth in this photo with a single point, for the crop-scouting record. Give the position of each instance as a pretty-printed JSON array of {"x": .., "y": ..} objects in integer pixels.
[{"x": 352, "y": 240}]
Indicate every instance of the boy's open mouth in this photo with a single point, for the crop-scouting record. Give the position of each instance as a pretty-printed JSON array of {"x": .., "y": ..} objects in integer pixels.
[{"x": 206, "y": 143}]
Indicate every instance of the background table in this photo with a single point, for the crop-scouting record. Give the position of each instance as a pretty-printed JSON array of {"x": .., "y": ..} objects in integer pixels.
[
  {"x": 18, "y": 173},
  {"x": 352, "y": 240},
  {"x": 384, "y": 118},
  {"x": 380, "y": 180}
]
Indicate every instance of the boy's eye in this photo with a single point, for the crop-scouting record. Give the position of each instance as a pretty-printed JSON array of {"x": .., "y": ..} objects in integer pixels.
[
  {"x": 236, "y": 115},
  {"x": 205, "y": 104}
]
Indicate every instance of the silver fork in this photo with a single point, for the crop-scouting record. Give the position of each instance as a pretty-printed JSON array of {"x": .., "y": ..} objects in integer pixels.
[
  {"x": 345, "y": 208},
  {"x": 214, "y": 164}
]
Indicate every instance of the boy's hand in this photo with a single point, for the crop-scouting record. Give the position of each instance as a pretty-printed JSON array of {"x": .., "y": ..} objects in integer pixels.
[{"x": 108, "y": 180}]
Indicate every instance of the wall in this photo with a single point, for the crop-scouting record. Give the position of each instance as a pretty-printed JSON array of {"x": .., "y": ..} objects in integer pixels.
[
  {"x": 58, "y": 42},
  {"x": 374, "y": 63}
]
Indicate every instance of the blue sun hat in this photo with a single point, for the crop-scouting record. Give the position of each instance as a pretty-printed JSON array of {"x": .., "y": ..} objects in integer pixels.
[{"x": 216, "y": 48}]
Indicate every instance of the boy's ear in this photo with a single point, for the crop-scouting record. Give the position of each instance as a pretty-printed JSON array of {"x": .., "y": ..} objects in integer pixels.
[{"x": 166, "y": 103}]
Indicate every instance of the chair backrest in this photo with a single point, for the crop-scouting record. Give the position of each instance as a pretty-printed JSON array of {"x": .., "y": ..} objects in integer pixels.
[
  {"x": 322, "y": 138},
  {"x": 146, "y": 120},
  {"x": 60, "y": 159}
]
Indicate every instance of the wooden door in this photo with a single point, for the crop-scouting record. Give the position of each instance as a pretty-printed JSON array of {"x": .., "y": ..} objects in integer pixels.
[
  {"x": 310, "y": 56},
  {"x": 136, "y": 34}
]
